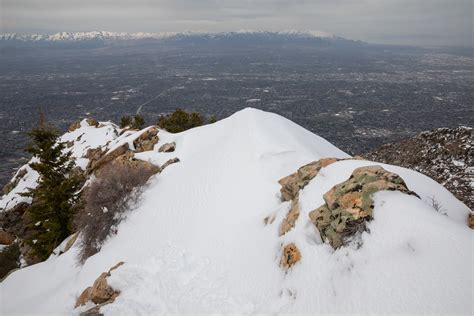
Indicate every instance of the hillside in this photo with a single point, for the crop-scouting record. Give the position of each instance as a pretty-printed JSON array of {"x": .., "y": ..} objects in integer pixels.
[
  {"x": 445, "y": 154},
  {"x": 239, "y": 225}
]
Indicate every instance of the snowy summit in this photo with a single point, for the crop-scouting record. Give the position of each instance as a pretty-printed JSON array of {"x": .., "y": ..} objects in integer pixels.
[{"x": 237, "y": 226}]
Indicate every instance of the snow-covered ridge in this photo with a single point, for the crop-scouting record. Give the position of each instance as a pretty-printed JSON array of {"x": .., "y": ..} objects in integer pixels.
[
  {"x": 197, "y": 241},
  {"x": 105, "y": 35}
]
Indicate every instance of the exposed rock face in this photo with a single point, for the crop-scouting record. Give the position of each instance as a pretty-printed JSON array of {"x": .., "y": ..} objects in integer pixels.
[
  {"x": 94, "y": 154},
  {"x": 289, "y": 221},
  {"x": 349, "y": 205},
  {"x": 292, "y": 184},
  {"x": 100, "y": 292},
  {"x": 13, "y": 183},
  {"x": 446, "y": 155},
  {"x": 6, "y": 238},
  {"x": 92, "y": 121},
  {"x": 15, "y": 221},
  {"x": 104, "y": 159},
  {"x": 129, "y": 159},
  {"x": 75, "y": 125},
  {"x": 168, "y": 147},
  {"x": 147, "y": 140},
  {"x": 169, "y": 162},
  {"x": 290, "y": 256},
  {"x": 471, "y": 220},
  {"x": 71, "y": 242}
]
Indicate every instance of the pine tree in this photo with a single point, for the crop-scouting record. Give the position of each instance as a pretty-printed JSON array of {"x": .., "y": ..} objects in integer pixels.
[
  {"x": 126, "y": 121},
  {"x": 55, "y": 197},
  {"x": 138, "y": 121}
]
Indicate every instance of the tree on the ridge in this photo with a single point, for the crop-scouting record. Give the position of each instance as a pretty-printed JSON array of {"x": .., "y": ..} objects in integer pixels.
[
  {"x": 56, "y": 196},
  {"x": 125, "y": 121},
  {"x": 138, "y": 121},
  {"x": 180, "y": 120},
  {"x": 135, "y": 122}
]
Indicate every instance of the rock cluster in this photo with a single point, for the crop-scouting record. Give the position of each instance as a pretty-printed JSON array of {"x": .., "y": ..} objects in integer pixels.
[
  {"x": 100, "y": 292},
  {"x": 291, "y": 186},
  {"x": 147, "y": 140},
  {"x": 349, "y": 205}
]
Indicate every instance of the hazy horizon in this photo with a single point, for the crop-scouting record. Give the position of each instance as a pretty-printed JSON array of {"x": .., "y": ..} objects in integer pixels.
[{"x": 405, "y": 22}]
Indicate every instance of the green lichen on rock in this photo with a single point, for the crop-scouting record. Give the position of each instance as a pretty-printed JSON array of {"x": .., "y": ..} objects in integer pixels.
[
  {"x": 349, "y": 205},
  {"x": 292, "y": 184}
]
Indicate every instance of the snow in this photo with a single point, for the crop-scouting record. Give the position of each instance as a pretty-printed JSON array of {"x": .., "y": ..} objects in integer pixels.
[
  {"x": 196, "y": 242},
  {"x": 84, "y": 138},
  {"x": 13, "y": 198}
]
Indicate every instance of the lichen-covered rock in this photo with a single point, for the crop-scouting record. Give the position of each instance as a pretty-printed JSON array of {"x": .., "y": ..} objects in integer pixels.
[
  {"x": 147, "y": 140},
  {"x": 168, "y": 147},
  {"x": 292, "y": 184},
  {"x": 291, "y": 255},
  {"x": 100, "y": 292},
  {"x": 289, "y": 221},
  {"x": 349, "y": 205}
]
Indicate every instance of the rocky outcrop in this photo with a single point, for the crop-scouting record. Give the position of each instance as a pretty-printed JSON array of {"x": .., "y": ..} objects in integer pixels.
[
  {"x": 349, "y": 205},
  {"x": 100, "y": 292},
  {"x": 445, "y": 155},
  {"x": 75, "y": 125},
  {"x": 470, "y": 220},
  {"x": 147, "y": 140},
  {"x": 292, "y": 184},
  {"x": 15, "y": 221},
  {"x": 129, "y": 159},
  {"x": 169, "y": 162},
  {"x": 108, "y": 157},
  {"x": 92, "y": 122},
  {"x": 14, "y": 182},
  {"x": 6, "y": 238},
  {"x": 290, "y": 256},
  {"x": 168, "y": 147},
  {"x": 290, "y": 219}
]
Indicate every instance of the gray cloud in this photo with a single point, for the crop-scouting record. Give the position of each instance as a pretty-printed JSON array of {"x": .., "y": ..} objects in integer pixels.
[{"x": 422, "y": 22}]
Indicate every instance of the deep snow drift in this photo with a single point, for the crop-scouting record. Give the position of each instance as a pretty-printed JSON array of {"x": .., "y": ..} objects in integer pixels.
[{"x": 197, "y": 243}]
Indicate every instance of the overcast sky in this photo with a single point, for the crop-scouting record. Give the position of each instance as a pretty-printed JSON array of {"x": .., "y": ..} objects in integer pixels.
[{"x": 422, "y": 22}]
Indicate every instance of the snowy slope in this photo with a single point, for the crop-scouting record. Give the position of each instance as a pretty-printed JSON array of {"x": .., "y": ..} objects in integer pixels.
[{"x": 196, "y": 242}]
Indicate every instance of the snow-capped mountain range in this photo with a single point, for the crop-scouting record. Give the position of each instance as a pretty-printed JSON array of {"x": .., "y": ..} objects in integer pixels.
[{"x": 114, "y": 36}]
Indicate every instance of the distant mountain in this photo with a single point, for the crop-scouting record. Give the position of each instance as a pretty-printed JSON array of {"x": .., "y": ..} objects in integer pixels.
[{"x": 104, "y": 37}]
